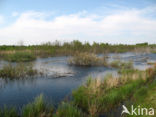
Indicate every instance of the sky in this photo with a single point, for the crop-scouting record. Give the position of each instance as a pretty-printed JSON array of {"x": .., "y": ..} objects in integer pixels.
[{"x": 110, "y": 21}]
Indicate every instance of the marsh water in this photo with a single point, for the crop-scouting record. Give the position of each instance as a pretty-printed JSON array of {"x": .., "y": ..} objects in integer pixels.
[{"x": 60, "y": 78}]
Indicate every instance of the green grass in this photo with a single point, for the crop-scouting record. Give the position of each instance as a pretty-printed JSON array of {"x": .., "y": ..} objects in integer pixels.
[
  {"x": 144, "y": 97},
  {"x": 19, "y": 70},
  {"x": 117, "y": 95},
  {"x": 80, "y": 97},
  {"x": 68, "y": 110},
  {"x": 38, "y": 108},
  {"x": 98, "y": 96},
  {"x": 8, "y": 112},
  {"x": 102, "y": 101},
  {"x": 20, "y": 57}
]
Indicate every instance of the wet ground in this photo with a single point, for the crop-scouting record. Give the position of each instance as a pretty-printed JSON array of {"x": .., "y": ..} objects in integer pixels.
[{"x": 60, "y": 78}]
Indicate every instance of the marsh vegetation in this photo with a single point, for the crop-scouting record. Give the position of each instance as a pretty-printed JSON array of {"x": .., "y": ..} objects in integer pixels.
[
  {"x": 95, "y": 97},
  {"x": 20, "y": 70},
  {"x": 20, "y": 57},
  {"x": 29, "y": 53},
  {"x": 87, "y": 59},
  {"x": 122, "y": 65},
  {"x": 37, "y": 108},
  {"x": 99, "y": 96}
]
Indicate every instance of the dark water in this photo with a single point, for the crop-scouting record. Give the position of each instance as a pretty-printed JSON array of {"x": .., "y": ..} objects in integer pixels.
[{"x": 60, "y": 79}]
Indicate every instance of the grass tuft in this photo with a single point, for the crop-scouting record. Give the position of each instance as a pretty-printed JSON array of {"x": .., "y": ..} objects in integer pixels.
[
  {"x": 19, "y": 70},
  {"x": 8, "y": 112},
  {"x": 87, "y": 59},
  {"x": 38, "y": 108},
  {"x": 68, "y": 110}
]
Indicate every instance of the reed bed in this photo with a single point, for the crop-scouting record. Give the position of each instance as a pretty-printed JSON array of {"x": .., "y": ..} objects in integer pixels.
[
  {"x": 20, "y": 70},
  {"x": 69, "y": 48},
  {"x": 99, "y": 96},
  {"x": 87, "y": 59},
  {"x": 96, "y": 96}
]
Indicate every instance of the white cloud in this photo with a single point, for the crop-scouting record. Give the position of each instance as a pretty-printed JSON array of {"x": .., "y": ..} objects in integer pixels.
[{"x": 122, "y": 27}]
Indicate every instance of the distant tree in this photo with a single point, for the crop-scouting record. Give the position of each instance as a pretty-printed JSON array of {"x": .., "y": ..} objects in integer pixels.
[
  {"x": 142, "y": 44},
  {"x": 87, "y": 44},
  {"x": 77, "y": 44},
  {"x": 95, "y": 44}
]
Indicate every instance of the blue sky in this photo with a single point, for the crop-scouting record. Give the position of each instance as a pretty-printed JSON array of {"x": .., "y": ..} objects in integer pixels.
[{"x": 112, "y": 21}]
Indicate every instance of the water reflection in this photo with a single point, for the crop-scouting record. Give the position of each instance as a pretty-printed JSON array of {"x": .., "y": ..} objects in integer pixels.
[{"x": 60, "y": 79}]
